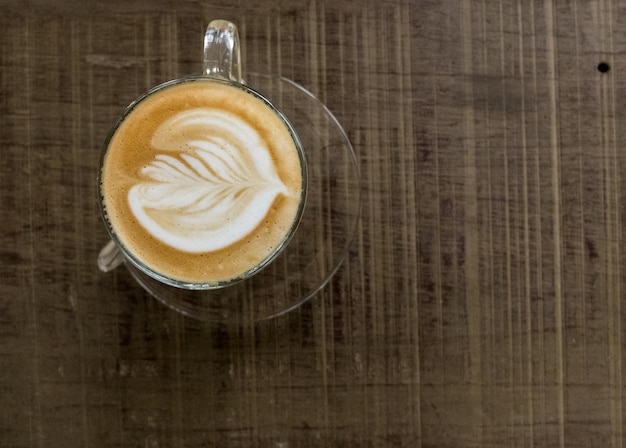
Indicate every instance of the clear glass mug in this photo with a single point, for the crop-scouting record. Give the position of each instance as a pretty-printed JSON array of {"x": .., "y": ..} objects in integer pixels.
[
  {"x": 296, "y": 270},
  {"x": 222, "y": 65}
]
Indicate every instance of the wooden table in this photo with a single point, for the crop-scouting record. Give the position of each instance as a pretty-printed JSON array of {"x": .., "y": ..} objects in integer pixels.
[{"x": 480, "y": 304}]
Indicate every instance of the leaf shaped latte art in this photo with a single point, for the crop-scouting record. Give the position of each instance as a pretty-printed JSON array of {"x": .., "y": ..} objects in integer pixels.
[{"x": 211, "y": 184}]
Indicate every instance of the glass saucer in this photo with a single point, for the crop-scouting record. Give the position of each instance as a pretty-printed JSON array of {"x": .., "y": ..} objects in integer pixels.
[{"x": 321, "y": 242}]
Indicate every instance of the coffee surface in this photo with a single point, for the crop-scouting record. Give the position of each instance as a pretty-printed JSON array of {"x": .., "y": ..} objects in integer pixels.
[{"x": 202, "y": 181}]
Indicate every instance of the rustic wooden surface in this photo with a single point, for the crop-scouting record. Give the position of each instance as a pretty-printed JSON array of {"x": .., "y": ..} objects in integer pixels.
[{"x": 480, "y": 304}]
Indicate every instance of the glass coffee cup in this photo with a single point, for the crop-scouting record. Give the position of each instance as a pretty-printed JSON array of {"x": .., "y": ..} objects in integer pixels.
[{"x": 203, "y": 180}]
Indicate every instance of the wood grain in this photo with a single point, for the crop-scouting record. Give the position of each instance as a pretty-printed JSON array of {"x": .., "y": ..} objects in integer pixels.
[{"x": 481, "y": 301}]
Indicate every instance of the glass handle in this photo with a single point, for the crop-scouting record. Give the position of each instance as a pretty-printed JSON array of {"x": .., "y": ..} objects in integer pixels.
[{"x": 222, "y": 56}]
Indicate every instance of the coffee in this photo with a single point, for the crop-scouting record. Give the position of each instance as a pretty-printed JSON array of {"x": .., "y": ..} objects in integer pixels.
[{"x": 202, "y": 181}]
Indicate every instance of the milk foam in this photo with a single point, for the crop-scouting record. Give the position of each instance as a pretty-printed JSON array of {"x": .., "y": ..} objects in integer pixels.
[{"x": 211, "y": 183}]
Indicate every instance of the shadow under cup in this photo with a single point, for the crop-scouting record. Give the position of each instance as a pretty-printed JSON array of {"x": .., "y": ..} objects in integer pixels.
[
  {"x": 314, "y": 249},
  {"x": 280, "y": 238}
]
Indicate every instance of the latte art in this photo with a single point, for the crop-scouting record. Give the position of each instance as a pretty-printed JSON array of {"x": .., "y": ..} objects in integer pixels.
[
  {"x": 203, "y": 182},
  {"x": 214, "y": 189}
]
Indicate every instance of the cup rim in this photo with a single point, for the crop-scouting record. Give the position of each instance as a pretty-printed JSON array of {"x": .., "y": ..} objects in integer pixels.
[{"x": 136, "y": 261}]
